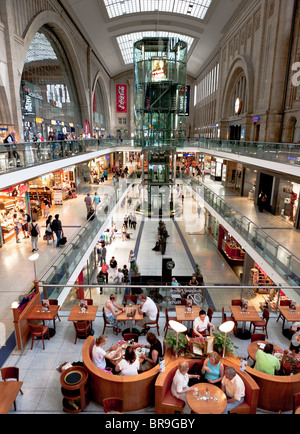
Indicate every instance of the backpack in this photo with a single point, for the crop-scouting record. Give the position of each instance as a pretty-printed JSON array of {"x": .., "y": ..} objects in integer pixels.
[
  {"x": 28, "y": 218},
  {"x": 34, "y": 232}
]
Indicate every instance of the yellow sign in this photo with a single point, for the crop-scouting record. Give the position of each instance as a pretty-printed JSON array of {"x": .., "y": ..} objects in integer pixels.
[{"x": 39, "y": 120}]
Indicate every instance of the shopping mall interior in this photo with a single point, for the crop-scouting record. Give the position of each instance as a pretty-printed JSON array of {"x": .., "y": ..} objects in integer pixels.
[{"x": 165, "y": 138}]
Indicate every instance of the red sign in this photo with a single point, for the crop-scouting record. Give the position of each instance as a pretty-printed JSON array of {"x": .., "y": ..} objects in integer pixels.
[
  {"x": 121, "y": 94},
  {"x": 23, "y": 188}
]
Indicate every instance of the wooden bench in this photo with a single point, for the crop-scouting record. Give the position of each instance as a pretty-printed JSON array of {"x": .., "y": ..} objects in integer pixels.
[
  {"x": 166, "y": 403},
  {"x": 136, "y": 391}
]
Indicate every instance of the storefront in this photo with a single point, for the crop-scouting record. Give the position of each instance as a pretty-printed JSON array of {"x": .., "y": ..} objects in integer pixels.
[
  {"x": 249, "y": 185},
  {"x": 232, "y": 251},
  {"x": 288, "y": 201},
  {"x": 232, "y": 175},
  {"x": 12, "y": 200},
  {"x": 216, "y": 169}
]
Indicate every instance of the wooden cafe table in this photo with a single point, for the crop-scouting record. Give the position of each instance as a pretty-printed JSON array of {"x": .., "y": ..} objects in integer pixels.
[
  {"x": 182, "y": 316},
  {"x": 8, "y": 393},
  {"x": 249, "y": 315},
  {"x": 137, "y": 317},
  {"x": 210, "y": 406},
  {"x": 254, "y": 346},
  {"x": 38, "y": 314},
  {"x": 289, "y": 315},
  {"x": 89, "y": 315}
]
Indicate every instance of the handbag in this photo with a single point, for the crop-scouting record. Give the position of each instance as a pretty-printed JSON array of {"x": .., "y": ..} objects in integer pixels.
[{"x": 107, "y": 370}]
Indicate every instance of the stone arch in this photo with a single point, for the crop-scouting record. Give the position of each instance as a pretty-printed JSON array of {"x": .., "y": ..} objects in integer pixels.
[
  {"x": 290, "y": 129},
  {"x": 58, "y": 26},
  {"x": 240, "y": 65},
  {"x": 105, "y": 95}
]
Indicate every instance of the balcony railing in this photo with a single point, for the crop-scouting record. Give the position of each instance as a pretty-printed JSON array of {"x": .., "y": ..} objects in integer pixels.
[
  {"x": 284, "y": 153},
  {"x": 284, "y": 262},
  {"x": 23, "y": 155}
]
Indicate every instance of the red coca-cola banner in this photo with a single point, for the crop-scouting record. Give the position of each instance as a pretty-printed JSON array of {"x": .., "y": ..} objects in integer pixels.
[{"x": 121, "y": 94}]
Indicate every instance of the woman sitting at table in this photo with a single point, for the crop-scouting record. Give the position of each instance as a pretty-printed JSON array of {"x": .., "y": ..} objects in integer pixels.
[
  {"x": 111, "y": 314},
  {"x": 130, "y": 364},
  {"x": 213, "y": 369},
  {"x": 154, "y": 354},
  {"x": 100, "y": 356},
  {"x": 179, "y": 387},
  {"x": 290, "y": 362},
  {"x": 201, "y": 324}
]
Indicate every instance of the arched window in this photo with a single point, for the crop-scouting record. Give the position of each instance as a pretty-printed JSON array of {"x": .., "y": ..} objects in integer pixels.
[
  {"x": 239, "y": 97},
  {"x": 99, "y": 109},
  {"x": 49, "y": 98}
]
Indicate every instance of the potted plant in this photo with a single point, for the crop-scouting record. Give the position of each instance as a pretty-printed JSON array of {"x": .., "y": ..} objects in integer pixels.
[
  {"x": 219, "y": 344},
  {"x": 171, "y": 341},
  {"x": 135, "y": 269}
]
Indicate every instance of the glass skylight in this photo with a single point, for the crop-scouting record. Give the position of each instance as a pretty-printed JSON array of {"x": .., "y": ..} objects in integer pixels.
[
  {"x": 192, "y": 8},
  {"x": 127, "y": 41}
]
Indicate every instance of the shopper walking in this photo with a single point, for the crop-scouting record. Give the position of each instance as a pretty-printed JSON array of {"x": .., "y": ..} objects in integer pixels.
[
  {"x": 17, "y": 227},
  {"x": 49, "y": 231},
  {"x": 96, "y": 200},
  {"x": 88, "y": 203},
  {"x": 131, "y": 259},
  {"x": 35, "y": 232},
  {"x": 57, "y": 229}
]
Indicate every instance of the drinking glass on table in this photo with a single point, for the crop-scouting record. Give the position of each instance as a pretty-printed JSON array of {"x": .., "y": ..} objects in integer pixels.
[{"x": 206, "y": 394}]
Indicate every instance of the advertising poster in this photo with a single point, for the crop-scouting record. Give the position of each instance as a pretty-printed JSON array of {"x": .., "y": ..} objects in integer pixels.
[{"x": 121, "y": 95}]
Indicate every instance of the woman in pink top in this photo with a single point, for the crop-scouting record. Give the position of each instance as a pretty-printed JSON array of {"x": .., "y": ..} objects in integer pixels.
[{"x": 104, "y": 269}]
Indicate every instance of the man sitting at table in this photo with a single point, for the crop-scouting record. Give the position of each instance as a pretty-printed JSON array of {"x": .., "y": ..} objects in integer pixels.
[
  {"x": 266, "y": 361},
  {"x": 234, "y": 388},
  {"x": 149, "y": 309},
  {"x": 201, "y": 324}
]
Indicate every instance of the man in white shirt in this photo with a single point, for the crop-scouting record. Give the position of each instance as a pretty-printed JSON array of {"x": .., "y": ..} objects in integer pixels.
[
  {"x": 201, "y": 324},
  {"x": 234, "y": 388},
  {"x": 149, "y": 309}
]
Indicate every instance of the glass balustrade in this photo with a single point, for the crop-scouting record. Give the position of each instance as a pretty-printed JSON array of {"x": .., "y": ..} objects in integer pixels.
[
  {"x": 281, "y": 259},
  {"x": 65, "y": 264},
  {"x": 286, "y": 153},
  {"x": 23, "y": 155}
]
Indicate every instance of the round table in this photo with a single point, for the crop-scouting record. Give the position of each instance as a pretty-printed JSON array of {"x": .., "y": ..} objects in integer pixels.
[
  {"x": 200, "y": 406},
  {"x": 253, "y": 347}
]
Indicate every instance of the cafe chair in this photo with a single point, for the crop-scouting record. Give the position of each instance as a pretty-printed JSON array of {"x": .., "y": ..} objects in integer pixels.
[
  {"x": 283, "y": 303},
  {"x": 130, "y": 336},
  {"x": 106, "y": 323},
  {"x": 89, "y": 301},
  {"x": 225, "y": 317},
  {"x": 210, "y": 313},
  {"x": 154, "y": 324},
  {"x": 236, "y": 303},
  {"x": 132, "y": 298},
  {"x": 258, "y": 337},
  {"x": 82, "y": 329},
  {"x": 168, "y": 318},
  {"x": 11, "y": 373},
  {"x": 38, "y": 332},
  {"x": 113, "y": 405},
  {"x": 263, "y": 323},
  {"x": 54, "y": 303},
  {"x": 296, "y": 402}
]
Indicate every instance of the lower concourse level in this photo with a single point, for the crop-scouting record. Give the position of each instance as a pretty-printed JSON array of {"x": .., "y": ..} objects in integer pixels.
[{"x": 196, "y": 245}]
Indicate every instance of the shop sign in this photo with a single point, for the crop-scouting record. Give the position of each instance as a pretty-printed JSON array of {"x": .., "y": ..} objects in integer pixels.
[
  {"x": 121, "y": 95},
  {"x": 23, "y": 188},
  {"x": 39, "y": 120}
]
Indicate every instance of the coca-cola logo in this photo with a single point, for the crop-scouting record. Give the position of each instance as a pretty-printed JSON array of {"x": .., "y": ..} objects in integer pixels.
[{"x": 121, "y": 98}]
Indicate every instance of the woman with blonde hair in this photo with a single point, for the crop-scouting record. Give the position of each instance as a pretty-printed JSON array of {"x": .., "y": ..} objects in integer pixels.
[
  {"x": 213, "y": 369},
  {"x": 179, "y": 387},
  {"x": 111, "y": 314},
  {"x": 99, "y": 354}
]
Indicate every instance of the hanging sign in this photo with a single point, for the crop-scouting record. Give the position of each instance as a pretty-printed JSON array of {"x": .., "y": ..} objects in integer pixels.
[{"x": 121, "y": 96}]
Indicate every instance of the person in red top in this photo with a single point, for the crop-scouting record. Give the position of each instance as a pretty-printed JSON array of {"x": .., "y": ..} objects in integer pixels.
[{"x": 105, "y": 268}]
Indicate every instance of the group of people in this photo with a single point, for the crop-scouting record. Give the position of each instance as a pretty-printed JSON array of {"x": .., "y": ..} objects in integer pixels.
[
  {"x": 131, "y": 364},
  {"x": 214, "y": 372},
  {"x": 161, "y": 243}
]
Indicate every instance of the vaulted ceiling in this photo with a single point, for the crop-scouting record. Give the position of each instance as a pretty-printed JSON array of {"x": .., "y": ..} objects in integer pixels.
[{"x": 112, "y": 26}]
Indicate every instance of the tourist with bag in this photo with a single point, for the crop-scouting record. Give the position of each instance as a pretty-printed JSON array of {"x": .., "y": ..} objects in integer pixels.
[
  {"x": 35, "y": 233},
  {"x": 49, "y": 231}
]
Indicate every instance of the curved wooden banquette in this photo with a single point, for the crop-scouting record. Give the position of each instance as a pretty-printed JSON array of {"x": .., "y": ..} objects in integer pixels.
[
  {"x": 136, "y": 391},
  {"x": 276, "y": 391},
  {"x": 166, "y": 403}
]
